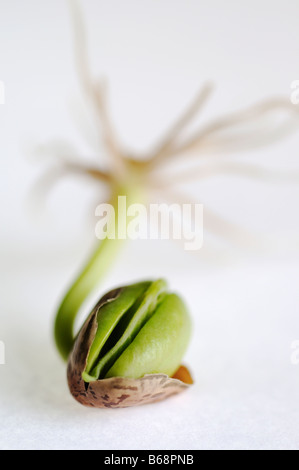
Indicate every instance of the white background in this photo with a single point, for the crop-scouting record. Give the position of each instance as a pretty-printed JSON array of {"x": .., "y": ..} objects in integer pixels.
[{"x": 245, "y": 305}]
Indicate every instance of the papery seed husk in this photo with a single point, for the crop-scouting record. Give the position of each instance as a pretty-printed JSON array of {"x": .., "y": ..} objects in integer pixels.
[{"x": 116, "y": 392}]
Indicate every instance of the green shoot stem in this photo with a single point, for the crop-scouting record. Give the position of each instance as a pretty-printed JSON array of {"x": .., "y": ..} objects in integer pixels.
[{"x": 88, "y": 280}]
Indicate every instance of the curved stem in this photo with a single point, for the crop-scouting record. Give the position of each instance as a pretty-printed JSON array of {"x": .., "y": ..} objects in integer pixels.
[
  {"x": 93, "y": 273},
  {"x": 88, "y": 280}
]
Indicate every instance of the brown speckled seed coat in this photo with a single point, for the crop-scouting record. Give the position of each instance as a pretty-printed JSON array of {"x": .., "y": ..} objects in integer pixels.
[{"x": 116, "y": 392}]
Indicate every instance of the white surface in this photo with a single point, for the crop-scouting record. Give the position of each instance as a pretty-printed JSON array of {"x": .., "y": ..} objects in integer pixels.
[
  {"x": 246, "y": 391},
  {"x": 245, "y": 310}
]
